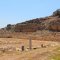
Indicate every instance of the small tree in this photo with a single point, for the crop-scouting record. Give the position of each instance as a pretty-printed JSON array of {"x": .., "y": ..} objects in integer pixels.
[{"x": 8, "y": 27}]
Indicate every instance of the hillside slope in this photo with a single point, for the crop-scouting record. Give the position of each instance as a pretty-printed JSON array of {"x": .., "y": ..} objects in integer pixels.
[
  {"x": 38, "y": 26},
  {"x": 48, "y": 23}
]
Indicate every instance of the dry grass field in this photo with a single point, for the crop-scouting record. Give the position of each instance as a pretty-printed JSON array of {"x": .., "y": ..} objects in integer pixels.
[
  {"x": 36, "y": 39},
  {"x": 10, "y": 49}
]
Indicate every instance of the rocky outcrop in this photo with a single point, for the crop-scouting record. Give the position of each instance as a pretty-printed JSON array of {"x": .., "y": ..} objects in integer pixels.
[{"x": 51, "y": 23}]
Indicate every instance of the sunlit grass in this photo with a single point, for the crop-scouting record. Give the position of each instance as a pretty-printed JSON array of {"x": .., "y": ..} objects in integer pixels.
[{"x": 56, "y": 56}]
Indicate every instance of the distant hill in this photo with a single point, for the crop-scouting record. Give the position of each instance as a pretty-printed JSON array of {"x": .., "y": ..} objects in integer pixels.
[{"x": 51, "y": 23}]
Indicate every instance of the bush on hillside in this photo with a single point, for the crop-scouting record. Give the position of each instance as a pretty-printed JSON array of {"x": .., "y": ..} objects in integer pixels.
[
  {"x": 56, "y": 13},
  {"x": 8, "y": 27}
]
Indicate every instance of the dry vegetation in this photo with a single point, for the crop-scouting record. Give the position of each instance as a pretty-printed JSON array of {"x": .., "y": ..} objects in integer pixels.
[
  {"x": 45, "y": 36},
  {"x": 10, "y": 49}
]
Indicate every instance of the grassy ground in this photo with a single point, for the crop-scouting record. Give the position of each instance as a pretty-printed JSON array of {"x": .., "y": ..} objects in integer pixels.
[
  {"x": 56, "y": 55},
  {"x": 12, "y": 49}
]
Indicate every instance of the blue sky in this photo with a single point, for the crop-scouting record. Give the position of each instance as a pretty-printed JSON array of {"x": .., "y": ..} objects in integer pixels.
[{"x": 16, "y": 11}]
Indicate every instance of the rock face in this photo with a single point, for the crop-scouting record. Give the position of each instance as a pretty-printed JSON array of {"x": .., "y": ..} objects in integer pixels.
[
  {"x": 54, "y": 25},
  {"x": 51, "y": 23},
  {"x": 30, "y": 26}
]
